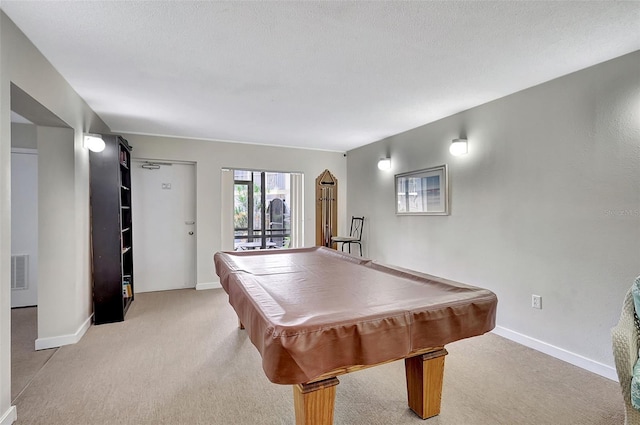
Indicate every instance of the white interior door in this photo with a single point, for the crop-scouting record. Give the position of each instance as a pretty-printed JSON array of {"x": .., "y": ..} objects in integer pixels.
[
  {"x": 164, "y": 227},
  {"x": 24, "y": 227}
]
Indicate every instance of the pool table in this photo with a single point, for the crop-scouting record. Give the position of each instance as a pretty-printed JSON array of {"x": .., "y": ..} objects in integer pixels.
[{"x": 316, "y": 313}]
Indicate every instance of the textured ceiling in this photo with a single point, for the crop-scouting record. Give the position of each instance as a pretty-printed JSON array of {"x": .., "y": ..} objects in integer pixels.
[{"x": 324, "y": 75}]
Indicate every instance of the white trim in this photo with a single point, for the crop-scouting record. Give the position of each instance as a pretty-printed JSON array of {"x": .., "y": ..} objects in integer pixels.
[
  {"x": 207, "y": 285},
  {"x": 296, "y": 208},
  {"x": 59, "y": 341},
  {"x": 559, "y": 353},
  {"x": 9, "y": 417}
]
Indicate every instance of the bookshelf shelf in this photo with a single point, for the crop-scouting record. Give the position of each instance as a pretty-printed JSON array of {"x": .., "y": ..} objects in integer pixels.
[{"x": 111, "y": 230}]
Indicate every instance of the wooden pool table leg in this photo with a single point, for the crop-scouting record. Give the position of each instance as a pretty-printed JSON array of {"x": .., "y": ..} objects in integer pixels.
[
  {"x": 425, "y": 374},
  {"x": 240, "y": 325},
  {"x": 314, "y": 402}
]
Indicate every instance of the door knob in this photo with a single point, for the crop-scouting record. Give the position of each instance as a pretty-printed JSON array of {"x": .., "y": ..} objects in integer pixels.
[{"x": 191, "y": 233}]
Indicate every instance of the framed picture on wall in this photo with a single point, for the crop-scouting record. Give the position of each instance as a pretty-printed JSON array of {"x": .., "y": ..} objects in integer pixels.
[{"x": 423, "y": 192}]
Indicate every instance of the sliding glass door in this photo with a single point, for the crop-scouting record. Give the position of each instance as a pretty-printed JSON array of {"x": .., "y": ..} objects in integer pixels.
[{"x": 261, "y": 213}]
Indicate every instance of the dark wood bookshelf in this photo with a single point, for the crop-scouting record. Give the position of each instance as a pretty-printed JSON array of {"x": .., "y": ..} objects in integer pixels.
[{"x": 111, "y": 230}]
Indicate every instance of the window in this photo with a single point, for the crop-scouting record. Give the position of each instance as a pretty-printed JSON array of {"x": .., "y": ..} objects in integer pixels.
[{"x": 261, "y": 210}]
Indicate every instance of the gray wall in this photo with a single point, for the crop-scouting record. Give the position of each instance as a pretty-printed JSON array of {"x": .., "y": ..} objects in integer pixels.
[
  {"x": 210, "y": 157},
  {"x": 23, "y": 65},
  {"x": 547, "y": 202},
  {"x": 24, "y": 136},
  {"x": 56, "y": 204}
]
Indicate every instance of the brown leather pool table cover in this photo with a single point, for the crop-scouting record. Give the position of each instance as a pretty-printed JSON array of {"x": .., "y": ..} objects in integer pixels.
[{"x": 310, "y": 311}]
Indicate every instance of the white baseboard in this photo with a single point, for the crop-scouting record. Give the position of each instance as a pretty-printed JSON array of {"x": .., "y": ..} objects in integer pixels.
[
  {"x": 559, "y": 353},
  {"x": 59, "y": 341},
  {"x": 9, "y": 417},
  {"x": 207, "y": 285}
]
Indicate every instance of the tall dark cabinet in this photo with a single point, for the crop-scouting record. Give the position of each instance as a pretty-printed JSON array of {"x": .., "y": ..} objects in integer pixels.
[{"x": 111, "y": 230}]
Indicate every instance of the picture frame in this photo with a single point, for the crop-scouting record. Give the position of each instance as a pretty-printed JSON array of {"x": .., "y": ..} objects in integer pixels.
[{"x": 423, "y": 192}]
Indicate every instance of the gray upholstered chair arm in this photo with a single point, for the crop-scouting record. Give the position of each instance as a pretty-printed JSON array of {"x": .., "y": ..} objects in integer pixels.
[{"x": 624, "y": 338}]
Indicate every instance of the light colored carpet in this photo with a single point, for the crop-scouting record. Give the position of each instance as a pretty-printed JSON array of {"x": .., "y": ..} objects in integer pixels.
[
  {"x": 26, "y": 362},
  {"x": 179, "y": 358}
]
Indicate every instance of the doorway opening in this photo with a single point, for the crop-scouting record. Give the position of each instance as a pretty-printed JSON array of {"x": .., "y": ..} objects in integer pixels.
[
  {"x": 261, "y": 210},
  {"x": 36, "y": 133}
]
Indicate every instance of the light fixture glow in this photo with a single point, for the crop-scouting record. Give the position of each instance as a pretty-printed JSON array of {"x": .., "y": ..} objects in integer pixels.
[
  {"x": 94, "y": 142},
  {"x": 384, "y": 164},
  {"x": 458, "y": 147}
]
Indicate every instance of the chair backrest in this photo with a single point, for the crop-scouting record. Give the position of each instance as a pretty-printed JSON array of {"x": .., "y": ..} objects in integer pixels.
[
  {"x": 357, "y": 223},
  {"x": 276, "y": 210}
]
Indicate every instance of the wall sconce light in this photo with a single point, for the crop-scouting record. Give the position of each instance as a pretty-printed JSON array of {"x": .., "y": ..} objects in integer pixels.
[
  {"x": 384, "y": 164},
  {"x": 458, "y": 147},
  {"x": 94, "y": 142}
]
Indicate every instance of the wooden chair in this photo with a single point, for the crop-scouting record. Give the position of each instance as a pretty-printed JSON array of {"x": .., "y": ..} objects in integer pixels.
[
  {"x": 355, "y": 235},
  {"x": 276, "y": 211}
]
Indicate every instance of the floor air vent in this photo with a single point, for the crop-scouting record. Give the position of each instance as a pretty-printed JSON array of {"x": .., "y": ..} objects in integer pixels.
[{"x": 19, "y": 269}]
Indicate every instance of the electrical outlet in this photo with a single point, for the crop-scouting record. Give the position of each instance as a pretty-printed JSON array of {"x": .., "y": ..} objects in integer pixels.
[{"x": 536, "y": 301}]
